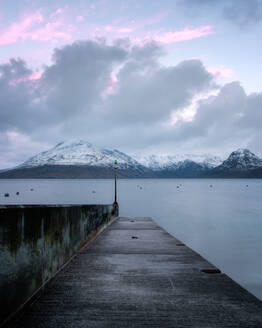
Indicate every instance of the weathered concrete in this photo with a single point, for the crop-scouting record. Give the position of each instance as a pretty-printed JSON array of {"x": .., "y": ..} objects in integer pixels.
[
  {"x": 36, "y": 241},
  {"x": 136, "y": 275}
]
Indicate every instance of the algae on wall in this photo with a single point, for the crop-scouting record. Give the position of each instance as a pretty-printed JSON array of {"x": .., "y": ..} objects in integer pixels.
[{"x": 35, "y": 241}]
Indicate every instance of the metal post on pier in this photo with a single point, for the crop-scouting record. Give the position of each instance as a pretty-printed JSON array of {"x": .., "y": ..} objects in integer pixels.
[
  {"x": 116, "y": 208},
  {"x": 115, "y": 168}
]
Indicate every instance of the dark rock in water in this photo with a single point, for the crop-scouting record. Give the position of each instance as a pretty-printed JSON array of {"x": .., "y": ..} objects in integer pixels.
[
  {"x": 31, "y": 189},
  {"x": 7, "y": 195},
  {"x": 17, "y": 193}
]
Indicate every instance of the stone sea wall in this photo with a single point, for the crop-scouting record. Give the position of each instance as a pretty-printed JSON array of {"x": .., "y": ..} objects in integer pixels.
[{"x": 35, "y": 242}]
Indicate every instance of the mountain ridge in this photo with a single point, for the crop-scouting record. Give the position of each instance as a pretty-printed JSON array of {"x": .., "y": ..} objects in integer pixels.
[{"x": 81, "y": 159}]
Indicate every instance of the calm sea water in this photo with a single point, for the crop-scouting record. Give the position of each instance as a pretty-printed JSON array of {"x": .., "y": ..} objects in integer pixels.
[{"x": 220, "y": 219}]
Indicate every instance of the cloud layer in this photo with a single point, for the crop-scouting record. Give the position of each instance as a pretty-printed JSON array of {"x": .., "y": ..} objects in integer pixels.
[
  {"x": 119, "y": 95},
  {"x": 241, "y": 12}
]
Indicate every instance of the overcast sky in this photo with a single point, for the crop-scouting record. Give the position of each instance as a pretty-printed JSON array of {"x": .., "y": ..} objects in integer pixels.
[{"x": 147, "y": 76}]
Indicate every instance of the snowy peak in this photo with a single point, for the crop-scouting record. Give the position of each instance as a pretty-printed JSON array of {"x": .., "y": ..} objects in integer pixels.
[
  {"x": 241, "y": 159},
  {"x": 73, "y": 143},
  {"x": 155, "y": 162},
  {"x": 81, "y": 153},
  {"x": 160, "y": 162}
]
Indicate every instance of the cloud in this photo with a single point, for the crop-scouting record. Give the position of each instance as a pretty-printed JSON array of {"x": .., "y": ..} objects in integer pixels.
[
  {"x": 223, "y": 122},
  {"x": 243, "y": 12},
  {"x": 71, "y": 85},
  {"x": 138, "y": 35},
  {"x": 119, "y": 95},
  {"x": 221, "y": 71},
  {"x": 15, "y": 147},
  {"x": 15, "y": 94},
  {"x": 49, "y": 32},
  {"x": 150, "y": 93},
  {"x": 117, "y": 29},
  {"x": 20, "y": 30},
  {"x": 34, "y": 27},
  {"x": 79, "y": 75},
  {"x": 240, "y": 12},
  {"x": 91, "y": 85},
  {"x": 184, "y": 35}
]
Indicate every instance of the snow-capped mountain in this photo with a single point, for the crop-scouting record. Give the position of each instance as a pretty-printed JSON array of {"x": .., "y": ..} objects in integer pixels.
[
  {"x": 81, "y": 153},
  {"x": 241, "y": 160},
  {"x": 160, "y": 162},
  {"x": 81, "y": 159}
]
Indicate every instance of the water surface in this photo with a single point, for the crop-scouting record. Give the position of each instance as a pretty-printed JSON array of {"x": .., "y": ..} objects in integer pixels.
[{"x": 220, "y": 219}]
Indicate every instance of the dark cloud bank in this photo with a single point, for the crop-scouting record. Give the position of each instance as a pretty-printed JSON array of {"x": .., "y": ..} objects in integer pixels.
[
  {"x": 120, "y": 96},
  {"x": 241, "y": 12}
]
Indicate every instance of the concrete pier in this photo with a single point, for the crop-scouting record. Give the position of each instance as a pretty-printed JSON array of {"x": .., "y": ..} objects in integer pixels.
[{"x": 137, "y": 275}]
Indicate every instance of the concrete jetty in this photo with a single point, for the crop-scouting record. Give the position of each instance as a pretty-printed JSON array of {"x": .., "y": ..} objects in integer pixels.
[{"x": 135, "y": 274}]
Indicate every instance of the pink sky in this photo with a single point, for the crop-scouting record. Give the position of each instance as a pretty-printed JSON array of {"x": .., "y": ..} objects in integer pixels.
[
  {"x": 61, "y": 26},
  {"x": 36, "y": 27}
]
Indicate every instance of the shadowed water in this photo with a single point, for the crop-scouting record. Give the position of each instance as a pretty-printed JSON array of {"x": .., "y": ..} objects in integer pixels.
[{"x": 220, "y": 219}]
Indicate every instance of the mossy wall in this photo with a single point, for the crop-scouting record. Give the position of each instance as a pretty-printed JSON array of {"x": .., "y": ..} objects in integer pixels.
[{"x": 35, "y": 241}]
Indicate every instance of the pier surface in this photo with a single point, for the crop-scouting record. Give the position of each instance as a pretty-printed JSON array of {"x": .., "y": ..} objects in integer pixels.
[{"x": 137, "y": 275}]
